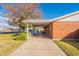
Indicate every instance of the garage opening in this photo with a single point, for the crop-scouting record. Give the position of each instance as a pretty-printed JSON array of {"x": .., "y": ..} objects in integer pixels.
[{"x": 38, "y": 27}]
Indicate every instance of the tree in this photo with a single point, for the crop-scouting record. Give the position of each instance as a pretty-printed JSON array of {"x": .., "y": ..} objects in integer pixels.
[{"x": 19, "y": 12}]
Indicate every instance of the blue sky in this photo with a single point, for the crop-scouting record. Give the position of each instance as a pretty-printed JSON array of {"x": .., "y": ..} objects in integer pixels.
[
  {"x": 53, "y": 10},
  {"x": 48, "y": 10}
]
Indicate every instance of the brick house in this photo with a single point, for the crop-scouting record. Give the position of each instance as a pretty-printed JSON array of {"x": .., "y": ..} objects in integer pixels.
[
  {"x": 62, "y": 28},
  {"x": 65, "y": 27}
]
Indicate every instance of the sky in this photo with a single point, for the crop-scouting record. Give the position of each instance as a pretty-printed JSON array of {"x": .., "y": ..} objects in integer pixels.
[
  {"x": 48, "y": 10},
  {"x": 54, "y": 10}
]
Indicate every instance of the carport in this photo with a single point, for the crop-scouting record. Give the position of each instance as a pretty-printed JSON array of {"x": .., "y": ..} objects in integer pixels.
[{"x": 36, "y": 23}]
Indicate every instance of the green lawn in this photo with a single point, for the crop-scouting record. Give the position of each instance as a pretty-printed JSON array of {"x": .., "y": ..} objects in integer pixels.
[
  {"x": 7, "y": 44},
  {"x": 71, "y": 48}
]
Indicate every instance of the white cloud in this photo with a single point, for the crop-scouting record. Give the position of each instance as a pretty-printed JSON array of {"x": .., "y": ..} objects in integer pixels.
[
  {"x": 3, "y": 22},
  {"x": 3, "y": 18},
  {"x": 1, "y": 13}
]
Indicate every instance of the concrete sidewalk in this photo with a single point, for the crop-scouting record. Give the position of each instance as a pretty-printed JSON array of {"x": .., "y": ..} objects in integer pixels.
[{"x": 38, "y": 46}]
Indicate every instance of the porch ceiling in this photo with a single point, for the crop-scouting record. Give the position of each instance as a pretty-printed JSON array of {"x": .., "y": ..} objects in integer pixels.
[{"x": 38, "y": 23}]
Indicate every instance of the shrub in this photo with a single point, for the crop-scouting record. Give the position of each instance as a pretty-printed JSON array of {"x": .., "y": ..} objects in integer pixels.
[{"x": 20, "y": 36}]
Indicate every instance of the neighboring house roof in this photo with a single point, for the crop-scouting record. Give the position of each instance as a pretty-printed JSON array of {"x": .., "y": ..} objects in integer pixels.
[{"x": 69, "y": 17}]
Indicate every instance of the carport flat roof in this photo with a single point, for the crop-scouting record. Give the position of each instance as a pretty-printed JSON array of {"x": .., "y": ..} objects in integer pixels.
[{"x": 38, "y": 22}]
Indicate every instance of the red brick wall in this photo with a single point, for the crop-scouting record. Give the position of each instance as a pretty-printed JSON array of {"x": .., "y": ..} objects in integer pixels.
[
  {"x": 63, "y": 29},
  {"x": 49, "y": 30}
]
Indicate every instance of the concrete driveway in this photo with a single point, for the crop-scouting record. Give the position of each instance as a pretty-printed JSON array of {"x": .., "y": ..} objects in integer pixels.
[{"x": 38, "y": 46}]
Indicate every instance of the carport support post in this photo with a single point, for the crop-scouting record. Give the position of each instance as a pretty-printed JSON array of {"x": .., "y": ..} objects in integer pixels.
[{"x": 27, "y": 31}]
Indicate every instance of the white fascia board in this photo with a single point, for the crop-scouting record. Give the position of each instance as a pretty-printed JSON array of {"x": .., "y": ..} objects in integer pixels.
[{"x": 65, "y": 16}]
